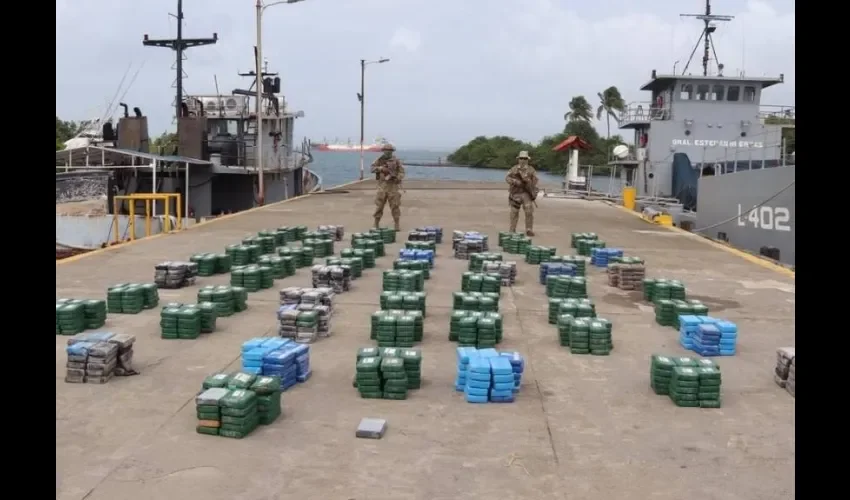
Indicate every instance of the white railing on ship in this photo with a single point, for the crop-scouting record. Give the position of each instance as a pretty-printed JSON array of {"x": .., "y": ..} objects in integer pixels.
[{"x": 644, "y": 112}]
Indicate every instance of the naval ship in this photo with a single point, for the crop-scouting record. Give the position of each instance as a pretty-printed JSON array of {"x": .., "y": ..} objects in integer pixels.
[
  {"x": 707, "y": 143},
  {"x": 213, "y": 164}
]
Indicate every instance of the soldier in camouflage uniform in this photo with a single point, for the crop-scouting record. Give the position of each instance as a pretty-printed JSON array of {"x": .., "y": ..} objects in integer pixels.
[
  {"x": 522, "y": 191},
  {"x": 389, "y": 172}
]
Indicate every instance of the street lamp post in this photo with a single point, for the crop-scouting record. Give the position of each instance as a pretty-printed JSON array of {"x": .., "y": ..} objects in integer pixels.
[
  {"x": 362, "y": 97},
  {"x": 258, "y": 153}
]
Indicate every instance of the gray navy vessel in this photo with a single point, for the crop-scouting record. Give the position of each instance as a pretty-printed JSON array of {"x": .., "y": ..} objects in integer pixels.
[{"x": 706, "y": 141}]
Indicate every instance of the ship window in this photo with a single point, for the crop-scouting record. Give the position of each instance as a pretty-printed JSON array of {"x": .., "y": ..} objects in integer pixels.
[
  {"x": 734, "y": 93},
  {"x": 749, "y": 94},
  {"x": 687, "y": 92},
  {"x": 717, "y": 93},
  {"x": 702, "y": 92}
]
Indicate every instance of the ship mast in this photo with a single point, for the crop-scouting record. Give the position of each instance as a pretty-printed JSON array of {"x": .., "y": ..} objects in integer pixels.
[
  {"x": 707, "y": 18},
  {"x": 179, "y": 45}
]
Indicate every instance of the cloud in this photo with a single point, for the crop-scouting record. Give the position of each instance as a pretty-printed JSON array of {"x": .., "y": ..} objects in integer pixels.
[
  {"x": 458, "y": 69},
  {"x": 406, "y": 39}
]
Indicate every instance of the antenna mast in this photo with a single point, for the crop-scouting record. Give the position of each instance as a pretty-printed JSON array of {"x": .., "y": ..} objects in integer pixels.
[
  {"x": 179, "y": 45},
  {"x": 707, "y": 18}
]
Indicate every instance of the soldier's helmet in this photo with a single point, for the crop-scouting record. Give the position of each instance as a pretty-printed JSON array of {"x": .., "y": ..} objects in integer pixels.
[{"x": 388, "y": 147}]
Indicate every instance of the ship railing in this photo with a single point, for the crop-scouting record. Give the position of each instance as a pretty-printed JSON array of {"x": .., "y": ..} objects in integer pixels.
[
  {"x": 644, "y": 112},
  {"x": 770, "y": 114}
]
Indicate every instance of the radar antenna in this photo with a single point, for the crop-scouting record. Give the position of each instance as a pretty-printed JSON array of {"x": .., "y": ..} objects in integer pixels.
[{"x": 707, "y": 18}]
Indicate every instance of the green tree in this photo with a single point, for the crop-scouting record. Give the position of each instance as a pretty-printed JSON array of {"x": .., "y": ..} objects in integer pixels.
[
  {"x": 610, "y": 101},
  {"x": 580, "y": 110},
  {"x": 165, "y": 144},
  {"x": 64, "y": 131}
]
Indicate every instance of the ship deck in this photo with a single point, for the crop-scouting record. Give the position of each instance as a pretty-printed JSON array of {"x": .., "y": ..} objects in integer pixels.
[{"x": 583, "y": 427}]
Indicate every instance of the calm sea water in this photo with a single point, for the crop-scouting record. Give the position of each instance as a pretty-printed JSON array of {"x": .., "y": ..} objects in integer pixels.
[{"x": 339, "y": 168}]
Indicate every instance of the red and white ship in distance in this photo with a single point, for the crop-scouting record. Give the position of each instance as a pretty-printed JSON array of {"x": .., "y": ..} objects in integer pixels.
[{"x": 349, "y": 146}]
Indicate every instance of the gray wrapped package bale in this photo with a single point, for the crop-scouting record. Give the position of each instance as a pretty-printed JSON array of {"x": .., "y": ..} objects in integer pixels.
[
  {"x": 371, "y": 428},
  {"x": 211, "y": 397}
]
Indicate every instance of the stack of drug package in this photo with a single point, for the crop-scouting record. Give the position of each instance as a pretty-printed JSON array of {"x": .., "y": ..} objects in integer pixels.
[
  {"x": 506, "y": 270},
  {"x": 782, "y": 372},
  {"x": 476, "y": 260},
  {"x": 254, "y": 350},
  {"x": 486, "y": 375},
  {"x": 418, "y": 235},
  {"x": 336, "y": 232},
  {"x": 516, "y": 244},
  {"x": 367, "y": 378},
  {"x": 601, "y": 257},
  {"x": 417, "y": 255},
  {"x": 696, "y": 386},
  {"x": 480, "y": 282},
  {"x": 628, "y": 274},
  {"x": 404, "y": 301},
  {"x": 338, "y": 278},
  {"x": 566, "y": 287},
  {"x": 91, "y": 361},
  {"x": 290, "y": 362},
  {"x": 535, "y": 254},
  {"x": 577, "y": 308},
  {"x": 707, "y": 336},
  {"x": 466, "y": 243},
  {"x": 422, "y": 266},
  {"x": 791, "y": 383},
  {"x": 294, "y": 295},
  {"x": 175, "y": 274},
  {"x": 385, "y": 234},
  {"x": 436, "y": 231},
  {"x": 475, "y": 301},
  {"x": 236, "y": 408},
  {"x": 555, "y": 269}
]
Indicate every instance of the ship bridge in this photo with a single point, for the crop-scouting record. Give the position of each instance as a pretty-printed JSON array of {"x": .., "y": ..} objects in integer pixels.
[{"x": 580, "y": 423}]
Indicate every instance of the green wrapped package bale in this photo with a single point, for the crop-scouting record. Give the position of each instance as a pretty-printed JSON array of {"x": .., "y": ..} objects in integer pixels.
[
  {"x": 412, "y": 359},
  {"x": 306, "y": 256},
  {"x": 487, "y": 304},
  {"x": 386, "y": 331},
  {"x": 390, "y": 281},
  {"x": 405, "y": 331},
  {"x": 356, "y": 263},
  {"x": 132, "y": 299},
  {"x": 269, "y": 398},
  {"x": 254, "y": 253},
  {"x": 151, "y": 295},
  {"x": 266, "y": 277},
  {"x": 537, "y": 254},
  {"x": 468, "y": 331},
  {"x": 577, "y": 288},
  {"x": 206, "y": 264},
  {"x": 686, "y": 361},
  {"x": 216, "y": 380},
  {"x": 708, "y": 395},
  {"x": 368, "y": 378},
  {"x": 491, "y": 284},
  {"x": 208, "y": 409},
  {"x": 418, "y": 324},
  {"x": 648, "y": 287},
  {"x": 698, "y": 308},
  {"x": 579, "y": 262},
  {"x": 275, "y": 264},
  {"x": 665, "y": 312},
  {"x": 168, "y": 319},
  {"x": 368, "y": 352},
  {"x": 503, "y": 235},
  {"x": 454, "y": 324},
  {"x": 188, "y": 322},
  {"x": 223, "y": 263},
  {"x": 677, "y": 290},
  {"x": 600, "y": 337},
  {"x": 394, "y": 378},
  {"x": 239, "y": 416},
  {"x": 497, "y": 319},
  {"x": 554, "y": 308},
  {"x": 373, "y": 324},
  {"x": 565, "y": 322},
  {"x": 684, "y": 386},
  {"x": 660, "y": 371},
  {"x": 300, "y": 231},
  {"x": 114, "y": 296},
  {"x": 660, "y": 290},
  {"x": 252, "y": 278},
  {"x": 70, "y": 318},
  {"x": 237, "y": 276},
  {"x": 289, "y": 265},
  {"x": 266, "y": 244},
  {"x": 486, "y": 332},
  {"x": 239, "y": 255},
  {"x": 209, "y": 315},
  {"x": 368, "y": 258},
  {"x": 580, "y": 336},
  {"x": 241, "y": 380},
  {"x": 223, "y": 298},
  {"x": 412, "y": 302}
]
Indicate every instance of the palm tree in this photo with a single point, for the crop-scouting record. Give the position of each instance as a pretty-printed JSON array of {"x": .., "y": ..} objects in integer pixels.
[
  {"x": 580, "y": 110},
  {"x": 610, "y": 101}
]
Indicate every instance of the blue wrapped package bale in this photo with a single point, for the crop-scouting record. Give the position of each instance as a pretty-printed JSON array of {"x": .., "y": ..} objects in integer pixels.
[
  {"x": 517, "y": 365},
  {"x": 728, "y": 337},
  {"x": 302, "y": 362},
  {"x": 463, "y": 356},
  {"x": 478, "y": 380},
  {"x": 281, "y": 363},
  {"x": 688, "y": 325},
  {"x": 502, "y": 381},
  {"x": 706, "y": 342},
  {"x": 600, "y": 257}
]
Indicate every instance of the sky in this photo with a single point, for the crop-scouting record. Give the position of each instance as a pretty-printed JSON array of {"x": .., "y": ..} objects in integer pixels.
[{"x": 457, "y": 69}]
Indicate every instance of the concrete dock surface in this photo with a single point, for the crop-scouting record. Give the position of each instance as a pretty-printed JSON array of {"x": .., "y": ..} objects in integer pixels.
[{"x": 583, "y": 427}]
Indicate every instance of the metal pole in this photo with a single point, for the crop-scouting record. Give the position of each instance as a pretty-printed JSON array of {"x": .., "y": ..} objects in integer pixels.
[
  {"x": 153, "y": 188},
  {"x": 179, "y": 66},
  {"x": 784, "y": 150},
  {"x": 186, "y": 199},
  {"x": 261, "y": 196},
  {"x": 362, "y": 101}
]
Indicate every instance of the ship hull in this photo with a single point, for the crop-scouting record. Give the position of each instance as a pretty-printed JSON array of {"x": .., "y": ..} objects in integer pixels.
[{"x": 733, "y": 195}]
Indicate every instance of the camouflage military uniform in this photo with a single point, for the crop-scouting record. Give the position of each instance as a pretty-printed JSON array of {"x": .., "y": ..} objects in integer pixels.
[
  {"x": 389, "y": 172},
  {"x": 522, "y": 191}
]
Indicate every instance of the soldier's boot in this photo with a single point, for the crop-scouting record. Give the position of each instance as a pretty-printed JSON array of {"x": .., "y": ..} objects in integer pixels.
[
  {"x": 377, "y": 222},
  {"x": 397, "y": 222}
]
